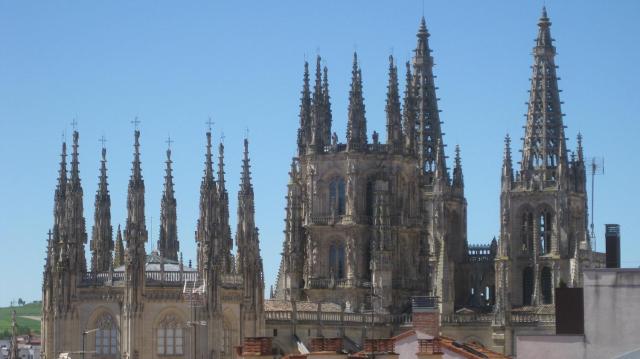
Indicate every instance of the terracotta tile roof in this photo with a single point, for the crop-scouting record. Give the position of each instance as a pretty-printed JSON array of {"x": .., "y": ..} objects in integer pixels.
[{"x": 467, "y": 350}]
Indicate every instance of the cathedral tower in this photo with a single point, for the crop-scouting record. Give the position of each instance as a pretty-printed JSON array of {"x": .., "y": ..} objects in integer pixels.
[{"x": 544, "y": 239}]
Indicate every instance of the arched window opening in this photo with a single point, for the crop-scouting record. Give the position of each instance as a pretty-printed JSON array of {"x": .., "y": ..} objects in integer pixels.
[
  {"x": 106, "y": 336},
  {"x": 170, "y": 336},
  {"x": 337, "y": 197},
  {"x": 526, "y": 231},
  {"x": 487, "y": 294},
  {"x": 527, "y": 285},
  {"x": 370, "y": 199},
  {"x": 545, "y": 230},
  {"x": 336, "y": 260},
  {"x": 547, "y": 285}
]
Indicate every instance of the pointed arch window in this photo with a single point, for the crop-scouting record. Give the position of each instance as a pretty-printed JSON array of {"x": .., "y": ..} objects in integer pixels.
[
  {"x": 526, "y": 231},
  {"x": 337, "y": 196},
  {"x": 170, "y": 336},
  {"x": 544, "y": 231},
  {"x": 336, "y": 260},
  {"x": 107, "y": 340},
  {"x": 527, "y": 285},
  {"x": 546, "y": 283}
]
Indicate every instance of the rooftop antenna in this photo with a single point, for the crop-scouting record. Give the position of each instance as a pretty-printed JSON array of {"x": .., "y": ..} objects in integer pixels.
[{"x": 596, "y": 167}]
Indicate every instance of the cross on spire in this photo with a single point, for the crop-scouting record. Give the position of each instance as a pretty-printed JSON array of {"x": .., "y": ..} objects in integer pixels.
[
  {"x": 222, "y": 136},
  {"x": 102, "y": 140},
  {"x": 135, "y": 123},
  {"x": 210, "y": 123},
  {"x": 169, "y": 141},
  {"x": 246, "y": 132},
  {"x": 74, "y": 124}
]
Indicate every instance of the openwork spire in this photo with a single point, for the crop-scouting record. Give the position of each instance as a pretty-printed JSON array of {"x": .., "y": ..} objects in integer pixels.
[
  {"x": 394, "y": 121},
  {"x": 206, "y": 232},
  {"x": 168, "y": 244},
  {"x": 409, "y": 115},
  {"x": 135, "y": 229},
  {"x": 249, "y": 262},
  {"x": 507, "y": 164},
  {"x": 458, "y": 178},
  {"x": 102, "y": 234},
  {"x": 544, "y": 142},
  {"x": 429, "y": 131},
  {"x": 118, "y": 253},
  {"x": 304, "y": 132},
  {"x": 357, "y": 124},
  {"x": 59, "y": 200},
  {"x": 226, "y": 242},
  {"x": 326, "y": 102},
  {"x": 74, "y": 228}
]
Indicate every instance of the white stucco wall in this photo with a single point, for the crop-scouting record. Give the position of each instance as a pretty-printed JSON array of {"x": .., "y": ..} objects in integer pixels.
[{"x": 612, "y": 320}]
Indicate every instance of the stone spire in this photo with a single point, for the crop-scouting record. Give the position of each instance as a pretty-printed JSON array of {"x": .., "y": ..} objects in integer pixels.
[
  {"x": 118, "y": 253},
  {"x": 429, "y": 131},
  {"x": 168, "y": 244},
  {"x": 249, "y": 262},
  {"x": 507, "y": 165},
  {"x": 544, "y": 147},
  {"x": 102, "y": 233},
  {"x": 394, "y": 118},
  {"x": 409, "y": 115},
  {"x": 75, "y": 231},
  {"x": 441, "y": 175},
  {"x": 357, "y": 124},
  {"x": 326, "y": 129},
  {"x": 207, "y": 229},
  {"x": 135, "y": 230},
  {"x": 304, "y": 132},
  {"x": 458, "y": 178},
  {"x": 320, "y": 123},
  {"x": 59, "y": 200},
  {"x": 293, "y": 251},
  {"x": 225, "y": 229}
]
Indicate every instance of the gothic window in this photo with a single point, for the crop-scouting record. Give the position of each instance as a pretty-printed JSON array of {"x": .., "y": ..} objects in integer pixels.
[
  {"x": 527, "y": 285},
  {"x": 336, "y": 260},
  {"x": 545, "y": 231},
  {"x": 370, "y": 199},
  {"x": 337, "y": 196},
  {"x": 106, "y": 336},
  {"x": 546, "y": 285},
  {"x": 170, "y": 336},
  {"x": 526, "y": 231}
]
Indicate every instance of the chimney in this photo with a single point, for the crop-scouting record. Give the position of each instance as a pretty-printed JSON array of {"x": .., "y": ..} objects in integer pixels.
[
  {"x": 256, "y": 348},
  {"x": 326, "y": 348},
  {"x": 429, "y": 348},
  {"x": 380, "y": 348},
  {"x": 425, "y": 316},
  {"x": 612, "y": 237}
]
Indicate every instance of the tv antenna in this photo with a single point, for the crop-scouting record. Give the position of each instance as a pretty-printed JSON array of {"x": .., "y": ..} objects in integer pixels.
[{"x": 596, "y": 167}]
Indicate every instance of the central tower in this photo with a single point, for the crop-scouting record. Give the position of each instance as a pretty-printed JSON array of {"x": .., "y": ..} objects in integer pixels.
[{"x": 370, "y": 224}]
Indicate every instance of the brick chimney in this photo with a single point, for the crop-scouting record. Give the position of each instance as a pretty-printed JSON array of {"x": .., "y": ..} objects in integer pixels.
[
  {"x": 424, "y": 315},
  {"x": 380, "y": 348},
  {"x": 326, "y": 348},
  {"x": 429, "y": 348},
  {"x": 256, "y": 347}
]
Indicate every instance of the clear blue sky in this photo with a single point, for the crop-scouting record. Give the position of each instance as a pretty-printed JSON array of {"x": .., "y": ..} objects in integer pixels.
[{"x": 241, "y": 63}]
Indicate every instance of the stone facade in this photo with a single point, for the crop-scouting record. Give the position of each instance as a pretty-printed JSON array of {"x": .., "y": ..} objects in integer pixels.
[
  {"x": 151, "y": 305},
  {"x": 371, "y": 227}
]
